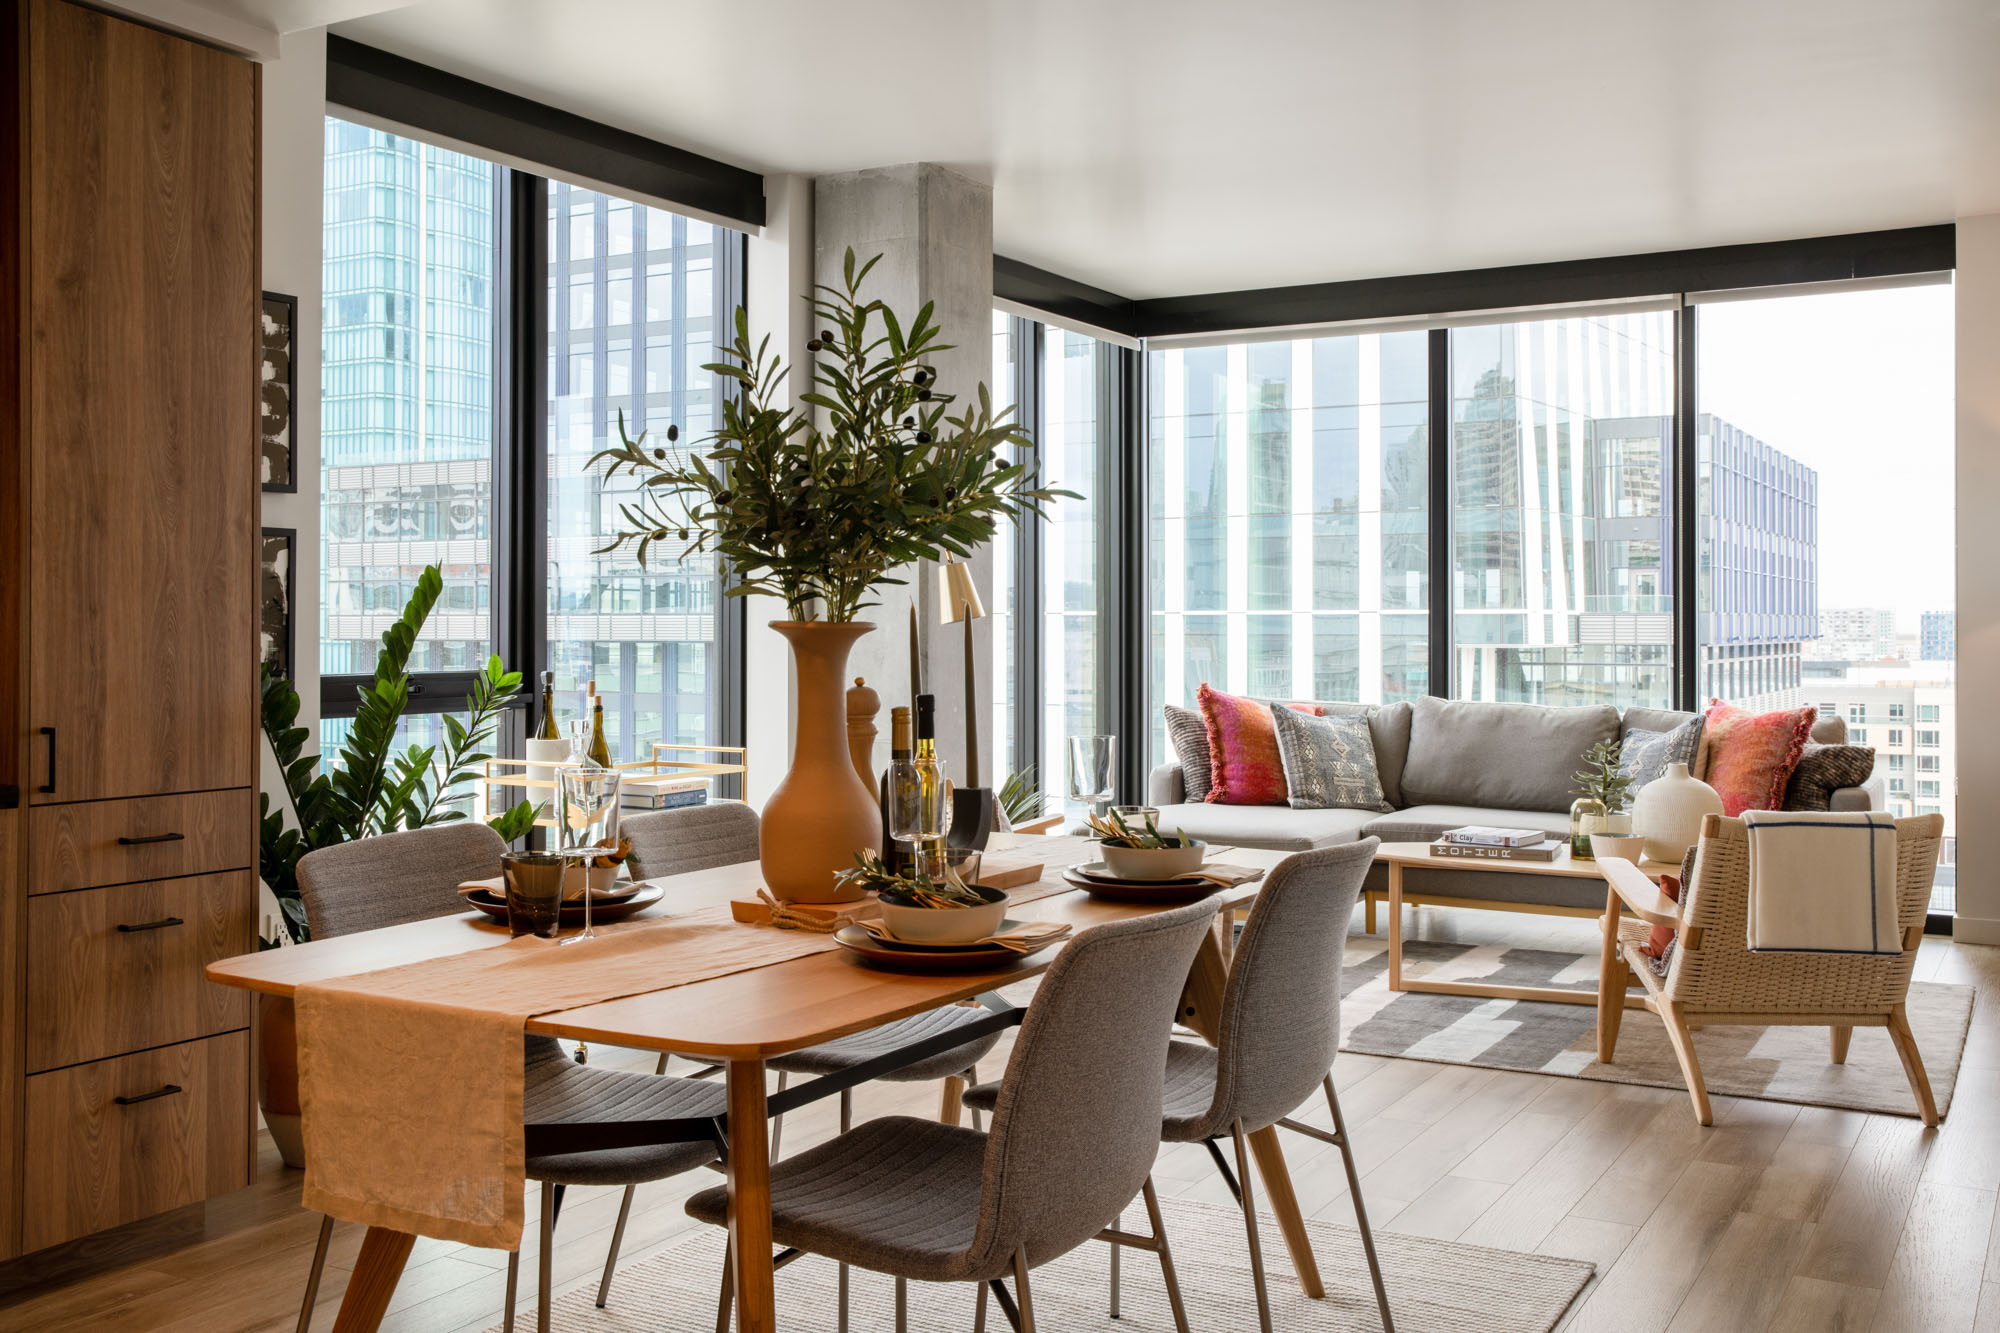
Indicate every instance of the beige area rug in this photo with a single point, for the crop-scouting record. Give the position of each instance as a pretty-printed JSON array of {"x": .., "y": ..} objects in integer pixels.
[
  {"x": 1434, "y": 1286},
  {"x": 1780, "y": 1064}
]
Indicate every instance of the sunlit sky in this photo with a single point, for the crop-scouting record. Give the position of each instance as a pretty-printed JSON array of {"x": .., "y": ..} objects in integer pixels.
[{"x": 1857, "y": 385}]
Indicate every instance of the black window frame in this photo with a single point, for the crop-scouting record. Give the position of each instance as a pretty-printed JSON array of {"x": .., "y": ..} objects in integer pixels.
[{"x": 378, "y": 88}]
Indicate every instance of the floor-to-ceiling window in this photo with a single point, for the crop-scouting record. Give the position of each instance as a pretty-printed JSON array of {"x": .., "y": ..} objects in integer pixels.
[
  {"x": 407, "y": 391},
  {"x": 1288, "y": 519},
  {"x": 418, "y": 354},
  {"x": 1562, "y": 437},
  {"x": 1825, "y": 525},
  {"x": 1002, "y": 608},
  {"x": 632, "y": 313}
]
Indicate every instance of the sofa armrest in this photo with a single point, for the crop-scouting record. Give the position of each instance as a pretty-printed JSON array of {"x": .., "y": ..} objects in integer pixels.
[
  {"x": 1870, "y": 795},
  {"x": 1164, "y": 785}
]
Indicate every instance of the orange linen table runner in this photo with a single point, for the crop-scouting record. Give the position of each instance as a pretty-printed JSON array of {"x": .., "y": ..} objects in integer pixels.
[{"x": 411, "y": 1077}]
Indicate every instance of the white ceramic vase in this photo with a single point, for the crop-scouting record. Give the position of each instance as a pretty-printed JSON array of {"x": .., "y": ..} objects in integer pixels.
[{"x": 1668, "y": 813}]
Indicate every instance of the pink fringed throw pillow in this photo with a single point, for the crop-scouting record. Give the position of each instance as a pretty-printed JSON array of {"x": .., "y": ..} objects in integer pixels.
[
  {"x": 1243, "y": 749},
  {"x": 1749, "y": 758}
]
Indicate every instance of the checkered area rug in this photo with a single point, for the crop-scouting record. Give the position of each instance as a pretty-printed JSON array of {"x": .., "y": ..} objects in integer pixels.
[{"x": 1780, "y": 1064}]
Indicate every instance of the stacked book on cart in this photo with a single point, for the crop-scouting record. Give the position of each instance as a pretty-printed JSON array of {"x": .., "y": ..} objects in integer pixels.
[{"x": 1480, "y": 842}]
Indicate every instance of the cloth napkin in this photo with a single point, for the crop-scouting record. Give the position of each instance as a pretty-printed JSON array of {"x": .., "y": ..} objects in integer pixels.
[
  {"x": 1225, "y": 876},
  {"x": 1029, "y": 935},
  {"x": 1823, "y": 882}
]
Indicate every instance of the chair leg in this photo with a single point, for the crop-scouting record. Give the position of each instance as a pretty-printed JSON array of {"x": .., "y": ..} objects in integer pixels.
[
  {"x": 1839, "y": 1038},
  {"x": 1613, "y": 976},
  {"x": 1021, "y": 1293},
  {"x": 1368, "y": 912},
  {"x": 846, "y": 1123},
  {"x": 661, "y": 1067},
  {"x": 727, "y": 1296},
  {"x": 979, "y": 1310},
  {"x": 902, "y": 1306},
  {"x": 1683, "y": 1044},
  {"x": 1360, "y": 1209},
  {"x": 617, "y": 1239},
  {"x": 1913, "y": 1065},
  {"x": 1250, "y": 1223},
  {"x": 1116, "y": 1250},
  {"x": 951, "y": 1105},
  {"x": 777, "y": 1121},
  {"x": 1166, "y": 1257},
  {"x": 551, "y": 1200},
  {"x": 312, "y": 1277},
  {"x": 513, "y": 1285}
]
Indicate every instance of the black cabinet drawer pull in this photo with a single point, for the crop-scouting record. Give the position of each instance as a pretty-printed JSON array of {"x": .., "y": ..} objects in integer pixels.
[
  {"x": 126, "y": 928},
  {"x": 50, "y": 785},
  {"x": 168, "y": 1091},
  {"x": 157, "y": 837}
]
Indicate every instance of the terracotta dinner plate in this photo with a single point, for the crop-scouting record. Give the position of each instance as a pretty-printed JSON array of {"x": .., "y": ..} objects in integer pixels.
[
  {"x": 602, "y": 910},
  {"x": 897, "y": 956}
]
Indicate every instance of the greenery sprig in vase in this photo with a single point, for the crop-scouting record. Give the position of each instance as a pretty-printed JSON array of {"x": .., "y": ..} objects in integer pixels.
[
  {"x": 1602, "y": 790},
  {"x": 820, "y": 512}
]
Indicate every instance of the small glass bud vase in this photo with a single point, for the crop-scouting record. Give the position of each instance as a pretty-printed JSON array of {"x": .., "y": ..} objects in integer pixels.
[{"x": 1586, "y": 816}]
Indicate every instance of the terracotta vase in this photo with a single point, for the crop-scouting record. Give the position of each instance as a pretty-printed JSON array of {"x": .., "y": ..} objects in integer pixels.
[{"x": 821, "y": 814}]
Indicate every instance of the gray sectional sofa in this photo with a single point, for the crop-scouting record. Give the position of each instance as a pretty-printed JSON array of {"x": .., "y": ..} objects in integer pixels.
[{"x": 1444, "y": 764}]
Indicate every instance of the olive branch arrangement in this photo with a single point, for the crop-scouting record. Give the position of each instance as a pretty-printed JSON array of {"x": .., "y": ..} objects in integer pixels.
[{"x": 818, "y": 508}]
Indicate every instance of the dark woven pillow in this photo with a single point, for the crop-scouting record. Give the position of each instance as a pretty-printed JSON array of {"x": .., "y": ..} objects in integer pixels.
[
  {"x": 1825, "y": 769},
  {"x": 1188, "y": 734}
]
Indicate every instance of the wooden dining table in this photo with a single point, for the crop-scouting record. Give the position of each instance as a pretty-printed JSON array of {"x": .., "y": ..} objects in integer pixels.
[{"x": 745, "y": 1018}]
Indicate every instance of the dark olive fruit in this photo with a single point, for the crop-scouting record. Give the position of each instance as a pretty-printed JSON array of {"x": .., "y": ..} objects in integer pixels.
[
  {"x": 922, "y": 376},
  {"x": 923, "y": 395},
  {"x": 909, "y": 421},
  {"x": 923, "y": 437},
  {"x": 673, "y": 433},
  {"x": 723, "y": 497},
  {"x": 826, "y": 335},
  {"x": 812, "y": 345},
  {"x": 660, "y": 454},
  {"x": 950, "y": 493}
]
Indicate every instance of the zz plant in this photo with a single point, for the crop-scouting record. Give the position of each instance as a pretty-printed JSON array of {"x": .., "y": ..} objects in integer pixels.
[
  {"x": 373, "y": 790},
  {"x": 818, "y": 508}
]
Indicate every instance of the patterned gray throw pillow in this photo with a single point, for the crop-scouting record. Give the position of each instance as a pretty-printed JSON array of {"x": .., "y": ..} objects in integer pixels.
[
  {"x": 1824, "y": 770},
  {"x": 1644, "y": 755},
  {"x": 1329, "y": 762},
  {"x": 1188, "y": 734}
]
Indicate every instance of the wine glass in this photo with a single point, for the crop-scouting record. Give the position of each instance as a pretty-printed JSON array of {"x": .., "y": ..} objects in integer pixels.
[
  {"x": 587, "y": 804},
  {"x": 1093, "y": 765}
]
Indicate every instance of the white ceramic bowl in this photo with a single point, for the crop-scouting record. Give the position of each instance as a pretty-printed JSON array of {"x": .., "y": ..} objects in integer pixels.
[
  {"x": 1625, "y": 847},
  {"x": 944, "y": 925},
  {"x": 1152, "y": 864}
]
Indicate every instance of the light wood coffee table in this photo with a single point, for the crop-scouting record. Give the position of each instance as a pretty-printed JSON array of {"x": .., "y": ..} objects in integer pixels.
[{"x": 1397, "y": 855}]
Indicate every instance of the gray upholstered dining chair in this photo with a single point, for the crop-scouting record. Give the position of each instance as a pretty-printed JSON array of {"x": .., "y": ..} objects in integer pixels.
[
  {"x": 403, "y": 877},
  {"x": 701, "y": 837},
  {"x": 1280, "y": 1031},
  {"x": 928, "y": 1202}
]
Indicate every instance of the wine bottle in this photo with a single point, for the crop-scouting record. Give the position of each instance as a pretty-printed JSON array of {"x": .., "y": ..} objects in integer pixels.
[
  {"x": 549, "y": 730},
  {"x": 597, "y": 752},
  {"x": 933, "y": 792},
  {"x": 899, "y": 795}
]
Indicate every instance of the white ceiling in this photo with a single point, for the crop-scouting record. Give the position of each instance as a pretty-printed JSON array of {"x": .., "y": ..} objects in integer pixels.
[{"x": 1165, "y": 147}]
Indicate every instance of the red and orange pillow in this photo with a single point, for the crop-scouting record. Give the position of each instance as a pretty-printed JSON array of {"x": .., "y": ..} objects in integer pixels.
[
  {"x": 1749, "y": 757},
  {"x": 1243, "y": 749}
]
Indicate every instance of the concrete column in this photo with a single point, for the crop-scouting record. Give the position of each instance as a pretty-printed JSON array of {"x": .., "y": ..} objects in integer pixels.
[
  {"x": 780, "y": 278},
  {"x": 934, "y": 231},
  {"x": 1978, "y": 352}
]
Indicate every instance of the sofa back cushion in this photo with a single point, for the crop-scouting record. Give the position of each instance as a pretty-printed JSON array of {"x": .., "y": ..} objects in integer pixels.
[
  {"x": 1502, "y": 756},
  {"x": 1654, "y": 719},
  {"x": 1389, "y": 728}
]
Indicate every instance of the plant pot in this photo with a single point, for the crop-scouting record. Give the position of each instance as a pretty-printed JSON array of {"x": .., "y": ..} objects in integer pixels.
[
  {"x": 1669, "y": 811},
  {"x": 821, "y": 814},
  {"x": 1624, "y": 847},
  {"x": 278, "y": 1076}
]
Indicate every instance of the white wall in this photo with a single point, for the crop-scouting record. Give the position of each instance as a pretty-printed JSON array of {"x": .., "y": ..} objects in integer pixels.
[
  {"x": 294, "y": 116},
  {"x": 1978, "y": 373}
]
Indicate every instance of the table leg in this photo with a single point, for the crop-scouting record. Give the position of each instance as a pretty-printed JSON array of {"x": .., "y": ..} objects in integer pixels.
[
  {"x": 1284, "y": 1202},
  {"x": 376, "y": 1272},
  {"x": 1395, "y": 926},
  {"x": 750, "y": 1198},
  {"x": 1201, "y": 1010}
]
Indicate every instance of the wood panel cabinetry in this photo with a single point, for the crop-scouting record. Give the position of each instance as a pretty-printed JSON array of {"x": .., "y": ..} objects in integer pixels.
[{"x": 129, "y": 279}]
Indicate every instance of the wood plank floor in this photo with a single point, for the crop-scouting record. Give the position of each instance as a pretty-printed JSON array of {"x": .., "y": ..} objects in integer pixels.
[{"x": 1777, "y": 1218}]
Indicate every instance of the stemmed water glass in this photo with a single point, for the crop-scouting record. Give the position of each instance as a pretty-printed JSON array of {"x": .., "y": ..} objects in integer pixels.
[{"x": 586, "y": 823}]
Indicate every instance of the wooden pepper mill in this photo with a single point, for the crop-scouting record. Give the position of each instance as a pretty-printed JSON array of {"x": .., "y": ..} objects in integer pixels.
[{"x": 863, "y": 704}]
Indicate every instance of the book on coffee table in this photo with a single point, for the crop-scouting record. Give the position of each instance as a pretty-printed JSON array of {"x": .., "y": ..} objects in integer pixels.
[
  {"x": 1548, "y": 849},
  {"x": 1484, "y": 835}
]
